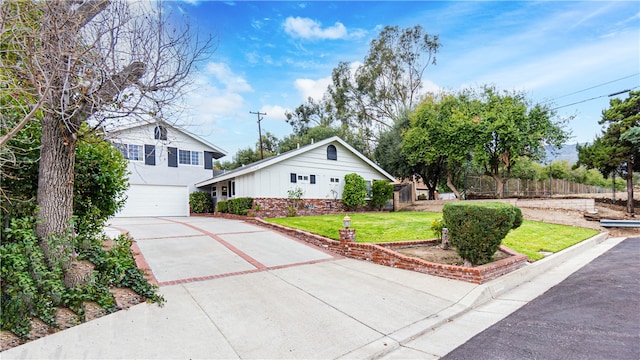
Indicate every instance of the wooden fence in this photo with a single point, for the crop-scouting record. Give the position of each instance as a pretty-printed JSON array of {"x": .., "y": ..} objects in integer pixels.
[{"x": 485, "y": 186}]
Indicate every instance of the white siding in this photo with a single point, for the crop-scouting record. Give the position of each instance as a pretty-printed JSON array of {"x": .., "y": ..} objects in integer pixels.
[
  {"x": 161, "y": 173},
  {"x": 274, "y": 181}
]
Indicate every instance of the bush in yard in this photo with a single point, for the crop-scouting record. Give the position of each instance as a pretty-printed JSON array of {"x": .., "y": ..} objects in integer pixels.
[
  {"x": 200, "y": 202},
  {"x": 223, "y": 206},
  {"x": 355, "y": 191},
  {"x": 381, "y": 192},
  {"x": 100, "y": 183},
  {"x": 100, "y": 179},
  {"x": 436, "y": 226},
  {"x": 476, "y": 229},
  {"x": 238, "y": 206}
]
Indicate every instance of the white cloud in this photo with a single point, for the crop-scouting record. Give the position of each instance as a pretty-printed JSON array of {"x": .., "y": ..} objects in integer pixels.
[
  {"x": 306, "y": 28},
  {"x": 225, "y": 75},
  {"x": 274, "y": 112},
  {"x": 309, "y": 88}
]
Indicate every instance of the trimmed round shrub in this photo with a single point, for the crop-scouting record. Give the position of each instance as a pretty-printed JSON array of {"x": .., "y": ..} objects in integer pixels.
[
  {"x": 355, "y": 191},
  {"x": 476, "y": 229},
  {"x": 381, "y": 192}
]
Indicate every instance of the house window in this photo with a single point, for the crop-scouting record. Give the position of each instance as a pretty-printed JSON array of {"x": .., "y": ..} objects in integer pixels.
[
  {"x": 187, "y": 157},
  {"x": 312, "y": 179},
  {"x": 335, "y": 180},
  {"x": 368, "y": 188},
  {"x": 294, "y": 178},
  {"x": 214, "y": 191},
  {"x": 224, "y": 190},
  {"x": 131, "y": 152},
  {"x": 160, "y": 133},
  {"x": 332, "y": 153}
]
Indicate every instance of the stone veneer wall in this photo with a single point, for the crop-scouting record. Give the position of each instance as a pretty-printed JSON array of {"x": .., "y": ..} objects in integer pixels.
[
  {"x": 384, "y": 254},
  {"x": 277, "y": 207}
]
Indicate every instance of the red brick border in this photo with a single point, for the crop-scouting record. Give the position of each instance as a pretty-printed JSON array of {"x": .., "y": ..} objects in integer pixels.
[
  {"x": 383, "y": 254},
  {"x": 141, "y": 262}
]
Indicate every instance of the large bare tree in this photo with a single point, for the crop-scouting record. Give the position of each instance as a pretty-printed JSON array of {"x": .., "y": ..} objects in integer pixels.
[{"x": 65, "y": 63}]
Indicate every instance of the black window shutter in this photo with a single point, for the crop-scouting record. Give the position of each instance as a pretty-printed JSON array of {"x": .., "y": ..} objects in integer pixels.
[
  {"x": 149, "y": 154},
  {"x": 173, "y": 156},
  {"x": 312, "y": 179},
  {"x": 208, "y": 160},
  {"x": 294, "y": 178}
]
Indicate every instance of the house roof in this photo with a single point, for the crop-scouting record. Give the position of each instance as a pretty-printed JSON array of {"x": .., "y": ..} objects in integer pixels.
[
  {"x": 247, "y": 169},
  {"x": 217, "y": 151}
]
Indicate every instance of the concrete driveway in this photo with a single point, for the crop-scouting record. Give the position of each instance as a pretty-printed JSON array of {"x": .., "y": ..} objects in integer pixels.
[
  {"x": 180, "y": 250},
  {"x": 235, "y": 290}
]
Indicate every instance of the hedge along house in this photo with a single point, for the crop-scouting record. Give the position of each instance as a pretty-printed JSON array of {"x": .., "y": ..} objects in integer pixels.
[
  {"x": 164, "y": 163},
  {"x": 317, "y": 170}
]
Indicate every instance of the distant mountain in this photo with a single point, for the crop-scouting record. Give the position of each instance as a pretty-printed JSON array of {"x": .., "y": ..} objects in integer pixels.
[{"x": 566, "y": 152}]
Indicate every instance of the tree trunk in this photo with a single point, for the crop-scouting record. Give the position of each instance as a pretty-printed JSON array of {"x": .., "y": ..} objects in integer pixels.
[
  {"x": 451, "y": 186},
  {"x": 55, "y": 183},
  {"x": 499, "y": 185},
  {"x": 432, "y": 191},
  {"x": 630, "y": 188}
]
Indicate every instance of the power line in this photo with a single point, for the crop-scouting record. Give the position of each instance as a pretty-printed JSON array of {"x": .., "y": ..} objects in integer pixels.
[
  {"x": 596, "y": 97},
  {"x": 590, "y": 88}
]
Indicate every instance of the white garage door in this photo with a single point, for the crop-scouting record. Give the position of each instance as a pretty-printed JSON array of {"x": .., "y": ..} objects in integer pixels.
[{"x": 156, "y": 200}]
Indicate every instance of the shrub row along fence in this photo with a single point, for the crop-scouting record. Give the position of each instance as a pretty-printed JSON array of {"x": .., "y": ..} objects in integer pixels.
[{"x": 485, "y": 186}]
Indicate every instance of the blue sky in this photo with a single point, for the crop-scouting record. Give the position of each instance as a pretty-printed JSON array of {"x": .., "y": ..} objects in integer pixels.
[{"x": 271, "y": 56}]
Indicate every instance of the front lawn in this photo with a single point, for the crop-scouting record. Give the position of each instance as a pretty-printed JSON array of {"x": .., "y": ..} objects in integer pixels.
[
  {"x": 370, "y": 227},
  {"x": 535, "y": 236},
  {"x": 528, "y": 239}
]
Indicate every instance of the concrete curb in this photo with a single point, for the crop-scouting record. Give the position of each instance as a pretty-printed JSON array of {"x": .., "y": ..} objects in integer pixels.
[
  {"x": 478, "y": 296},
  {"x": 497, "y": 287}
]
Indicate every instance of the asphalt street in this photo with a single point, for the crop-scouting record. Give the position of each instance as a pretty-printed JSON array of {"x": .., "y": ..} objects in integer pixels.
[{"x": 593, "y": 314}]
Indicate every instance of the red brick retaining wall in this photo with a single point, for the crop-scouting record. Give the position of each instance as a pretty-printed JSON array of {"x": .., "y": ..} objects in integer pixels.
[
  {"x": 277, "y": 207},
  {"x": 384, "y": 254}
]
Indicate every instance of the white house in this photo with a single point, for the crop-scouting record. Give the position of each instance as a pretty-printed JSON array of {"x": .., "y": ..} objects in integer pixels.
[
  {"x": 165, "y": 162},
  {"x": 317, "y": 169}
]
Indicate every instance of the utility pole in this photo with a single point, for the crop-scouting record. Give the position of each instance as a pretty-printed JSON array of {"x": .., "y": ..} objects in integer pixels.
[{"x": 259, "y": 131}]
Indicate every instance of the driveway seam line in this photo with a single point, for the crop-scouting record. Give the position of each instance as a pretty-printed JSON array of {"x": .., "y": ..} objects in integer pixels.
[
  {"x": 212, "y": 321},
  {"x": 233, "y": 249}
]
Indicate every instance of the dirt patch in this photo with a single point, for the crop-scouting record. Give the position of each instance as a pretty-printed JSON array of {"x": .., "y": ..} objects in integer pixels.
[
  {"x": 584, "y": 219},
  {"x": 436, "y": 254}
]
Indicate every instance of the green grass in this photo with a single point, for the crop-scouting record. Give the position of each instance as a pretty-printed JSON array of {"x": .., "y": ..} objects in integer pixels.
[
  {"x": 370, "y": 227},
  {"x": 528, "y": 239},
  {"x": 535, "y": 236}
]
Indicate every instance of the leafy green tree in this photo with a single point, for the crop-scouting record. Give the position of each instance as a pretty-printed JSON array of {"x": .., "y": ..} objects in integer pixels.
[
  {"x": 617, "y": 150},
  {"x": 507, "y": 128},
  {"x": 367, "y": 99},
  {"x": 388, "y": 153},
  {"x": 355, "y": 191},
  {"x": 439, "y": 139},
  {"x": 528, "y": 169}
]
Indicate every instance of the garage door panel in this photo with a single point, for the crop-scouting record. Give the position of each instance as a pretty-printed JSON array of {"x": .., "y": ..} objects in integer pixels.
[{"x": 156, "y": 200}]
